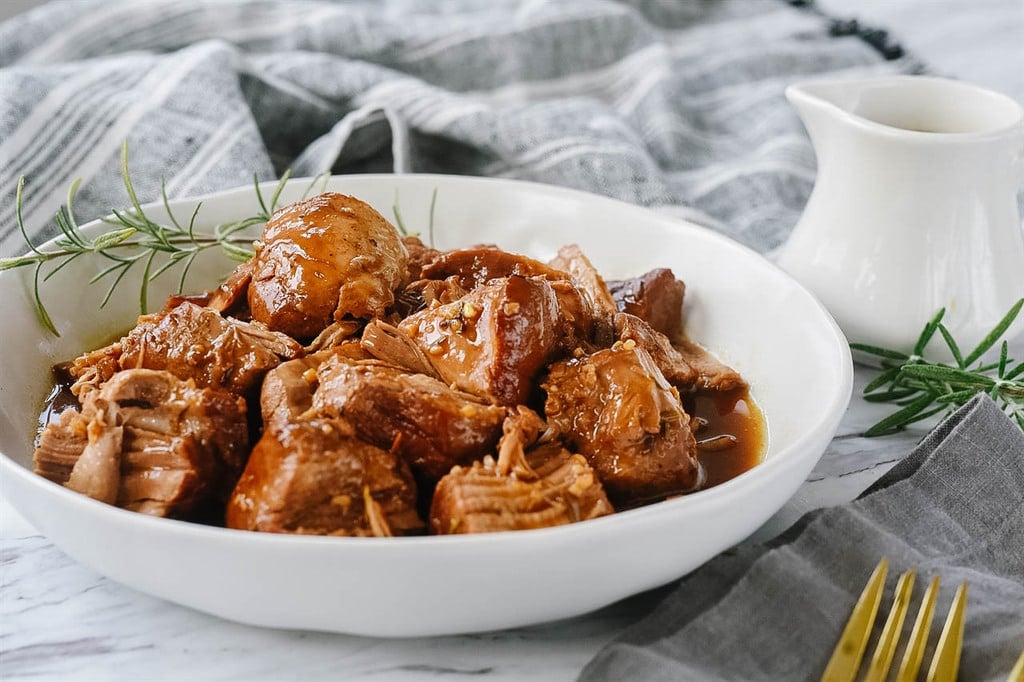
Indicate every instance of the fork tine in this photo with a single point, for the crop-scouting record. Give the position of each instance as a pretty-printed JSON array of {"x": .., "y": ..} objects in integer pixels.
[
  {"x": 850, "y": 650},
  {"x": 886, "y": 647},
  {"x": 1017, "y": 674},
  {"x": 914, "y": 654},
  {"x": 946, "y": 661}
]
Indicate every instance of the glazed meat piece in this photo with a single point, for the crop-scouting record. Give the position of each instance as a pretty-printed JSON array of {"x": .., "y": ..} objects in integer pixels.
[
  {"x": 493, "y": 341},
  {"x": 431, "y": 426},
  {"x": 390, "y": 345},
  {"x": 60, "y": 445},
  {"x": 575, "y": 317},
  {"x": 478, "y": 265},
  {"x": 686, "y": 365},
  {"x": 420, "y": 255},
  {"x": 322, "y": 260},
  {"x": 670, "y": 361},
  {"x": 190, "y": 342},
  {"x": 655, "y": 297},
  {"x": 712, "y": 374},
  {"x": 519, "y": 491},
  {"x": 571, "y": 259},
  {"x": 616, "y": 408},
  {"x": 231, "y": 297},
  {"x": 315, "y": 477},
  {"x": 92, "y": 369},
  {"x": 336, "y": 334},
  {"x": 153, "y": 444},
  {"x": 287, "y": 390},
  {"x": 197, "y": 343}
]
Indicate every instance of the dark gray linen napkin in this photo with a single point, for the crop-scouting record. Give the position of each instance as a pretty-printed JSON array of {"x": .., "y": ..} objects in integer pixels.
[{"x": 954, "y": 507}]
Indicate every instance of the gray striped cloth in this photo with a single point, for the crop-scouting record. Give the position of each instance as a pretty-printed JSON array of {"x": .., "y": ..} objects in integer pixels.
[{"x": 674, "y": 104}]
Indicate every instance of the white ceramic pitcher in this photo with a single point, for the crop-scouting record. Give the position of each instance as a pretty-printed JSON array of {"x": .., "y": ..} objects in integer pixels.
[{"x": 914, "y": 207}]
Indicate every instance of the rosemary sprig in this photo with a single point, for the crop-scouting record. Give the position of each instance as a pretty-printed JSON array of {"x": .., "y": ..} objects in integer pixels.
[
  {"x": 922, "y": 388},
  {"x": 136, "y": 239},
  {"x": 400, "y": 222}
]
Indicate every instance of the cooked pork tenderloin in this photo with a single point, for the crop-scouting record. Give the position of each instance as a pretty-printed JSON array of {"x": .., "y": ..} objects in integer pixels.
[
  {"x": 492, "y": 342},
  {"x": 60, "y": 445},
  {"x": 315, "y": 477},
  {"x": 655, "y": 297},
  {"x": 153, "y": 444},
  {"x": 190, "y": 342},
  {"x": 616, "y": 408},
  {"x": 572, "y": 260},
  {"x": 430, "y": 425},
  {"x": 324, "y": 259},
  {"x": 686, "y": 365},
  {"x": 420, "y": 255},
  {"x": 232, "y": 297},
  {"x": 473, "y": 267},
  {"x": 520, "y": 490}
]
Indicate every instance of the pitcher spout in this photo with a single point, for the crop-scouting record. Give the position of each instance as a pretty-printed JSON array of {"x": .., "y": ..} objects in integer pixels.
[{"x": 898, "y": 105}]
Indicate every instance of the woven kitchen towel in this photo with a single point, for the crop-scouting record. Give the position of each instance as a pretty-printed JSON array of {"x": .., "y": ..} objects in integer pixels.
[
  {"x": 954, "y": 507},
  {"x": 676, "y": 105}
]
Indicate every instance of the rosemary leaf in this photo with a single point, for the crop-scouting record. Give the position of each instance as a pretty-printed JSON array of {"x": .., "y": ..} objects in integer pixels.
[
  {"x": 928, "y": 332},
  {"x": 897, "y": 420},
  {"x": 111, "y": 239},
  {"x": 880, "y": 352},
  {"x": 44, "y": 316},
  {"x": 398, "y": 216},
  {"x": 993, "y": 336},
  {"x": 144, "y": 287},
  {"x": 239, "y": 253},
  {"x": 954, "y": 348},
  {"x": 1015, "y": 371},
  {"x": 951, "y": 375},
  {"x": 277, "y": 193},
  {"x": 17, "y": 213},
  {"x": 890, "y": 396},
  {"x": 882, "y": 379},
  {"x": 430, "y": 228}
]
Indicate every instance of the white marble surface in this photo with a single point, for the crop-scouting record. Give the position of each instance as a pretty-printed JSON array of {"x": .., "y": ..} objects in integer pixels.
[{"x": 59, "y": 620}]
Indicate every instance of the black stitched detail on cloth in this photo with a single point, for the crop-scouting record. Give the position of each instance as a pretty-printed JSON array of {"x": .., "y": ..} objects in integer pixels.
[{"x": 839, "y": 28}]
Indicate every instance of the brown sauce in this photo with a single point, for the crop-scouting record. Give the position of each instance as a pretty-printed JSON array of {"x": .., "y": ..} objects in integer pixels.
[
  {"x": 731, "y": 413},
  {"x": 59, "y": 399}
]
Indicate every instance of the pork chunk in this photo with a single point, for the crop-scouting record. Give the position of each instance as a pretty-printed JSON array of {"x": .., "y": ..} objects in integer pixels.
[
  {"x": 493, "y": 341},
  {"x": 431, "y": 426},
  {"x": 572, "y": 260},
  {"x": 655, "y": 297},
  {"x": 470, "y": 268},
  {"x": 315, "y": 477},
  {"x": 545, "y": 487},
  {"x": 190, "y": 342},
  {"x": 153, "y": 444},
  {"x": 616, "y": 408},
  {"x": 324, "y": 259},
  {"x": 686, "y": 365}
]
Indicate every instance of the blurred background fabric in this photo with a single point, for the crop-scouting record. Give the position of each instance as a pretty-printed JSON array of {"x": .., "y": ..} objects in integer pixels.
[{"x": 673, "y": 105}]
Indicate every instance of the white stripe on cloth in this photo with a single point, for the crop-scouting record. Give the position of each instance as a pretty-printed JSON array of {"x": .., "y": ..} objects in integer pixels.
[
  {"x": 220, "y": 142},
  {"x": 158, "y": 84}
]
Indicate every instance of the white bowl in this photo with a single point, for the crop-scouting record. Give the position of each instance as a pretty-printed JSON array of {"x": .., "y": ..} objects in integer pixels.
[{"x": 739, "y": 305}]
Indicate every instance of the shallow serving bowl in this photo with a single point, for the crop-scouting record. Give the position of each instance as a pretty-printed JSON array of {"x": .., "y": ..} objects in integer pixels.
[{"x": 738, "y": 305}]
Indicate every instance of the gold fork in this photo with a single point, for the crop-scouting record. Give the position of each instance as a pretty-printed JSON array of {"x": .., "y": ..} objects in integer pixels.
[{"x": 846, "y": 658}]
